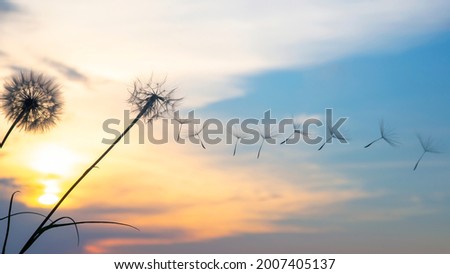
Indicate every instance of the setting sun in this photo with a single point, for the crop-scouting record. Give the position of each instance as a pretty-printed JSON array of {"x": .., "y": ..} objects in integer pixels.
[
  {"x": 48, "y": 199},
  {"x": 51, "y": 190},
  {"x": 53, "y": 160},
  {"x": 53, "y": 163}
]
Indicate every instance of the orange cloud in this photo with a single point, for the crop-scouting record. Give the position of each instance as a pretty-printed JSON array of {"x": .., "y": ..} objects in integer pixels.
[{"x": 200, "y": 199}]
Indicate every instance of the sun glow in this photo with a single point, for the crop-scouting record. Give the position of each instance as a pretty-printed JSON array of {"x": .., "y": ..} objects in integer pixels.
[
  {"x": 53, "y": 160},
  {"x": 48, "y": 199},
  {"x": 54, "y": 163},
  {"x": 51, "y": 192}
]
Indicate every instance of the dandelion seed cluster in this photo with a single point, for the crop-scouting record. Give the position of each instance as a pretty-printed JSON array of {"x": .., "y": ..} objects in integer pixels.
[
  {"x": 152, "y": 99},
  {"x": 32, "y": 98}
]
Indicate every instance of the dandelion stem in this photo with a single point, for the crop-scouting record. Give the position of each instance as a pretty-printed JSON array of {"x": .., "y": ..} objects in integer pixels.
[
  {"x": 421, "y": 156},
  {"x": 260, "y": 147},
  {"x": 38, "y": 231},
  {"x": 16, "y": 121},
  {"x": 287, "y": 138},
  {"x": 235, "y": 146},
  {"x": 203, "y": 145},
  {"x": 8, "y": 225},
  {"x": 374, "y": 141},
  {"x": 329, "y": 139},
  {"x": 179, "y": 131}
]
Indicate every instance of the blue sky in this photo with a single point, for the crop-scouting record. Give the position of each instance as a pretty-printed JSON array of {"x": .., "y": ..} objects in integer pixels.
[
  {"x": 387, "y": 82},
  {"x": 408, "y": 89},
  {"x": 367, "y": 60}
]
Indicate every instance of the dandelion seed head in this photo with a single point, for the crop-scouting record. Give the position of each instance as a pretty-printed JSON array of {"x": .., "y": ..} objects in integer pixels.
[
  {"x": 33, "y": 96},
  {"x": 297, "y": 125},
  {"x": 388, "y": 135},
  {"x": 428, "y": 144},
  {"x": 153, "y": 99}
]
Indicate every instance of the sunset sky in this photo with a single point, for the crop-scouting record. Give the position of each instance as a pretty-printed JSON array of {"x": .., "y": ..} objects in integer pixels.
[{"x": 367, "y": 60}]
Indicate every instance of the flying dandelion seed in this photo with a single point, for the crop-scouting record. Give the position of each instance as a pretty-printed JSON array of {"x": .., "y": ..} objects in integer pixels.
[
  {"x": 31, "y": 101},
  {"x": 297, "y": 130},
  {"x": 427, "y": 146},
  {"x": 197, "y": 134},
  {"x": 265, "y": 136},
  {"x": 151, "y": 101},
  {"x": 386, "y": 134},
  {"x": 239, "y": 135},
  {"x": 181, "y": 122},
  {"x": 332, "y": 135}
]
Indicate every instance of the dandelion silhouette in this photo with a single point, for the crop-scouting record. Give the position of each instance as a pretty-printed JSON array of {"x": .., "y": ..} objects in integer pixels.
[
  {"x": 332, "y": 135},
  {"x": 181, "y": 122},
  {"x": 265, "y": 136},
  {"x": 386, "y": 134},
  {"x": 427, "y": 146},
  {"x": 150, "y": 101},
  {"x": 31, "y": 101},
  {"x": 239, "y": 135},
  {"x": 297, "y": 130},
  {"x": 197, "y": 134}
]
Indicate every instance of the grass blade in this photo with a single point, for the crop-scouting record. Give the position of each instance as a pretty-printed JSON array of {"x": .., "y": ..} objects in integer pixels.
[
  {"x": 23, "y": 213},
  {"x": 8, "y": 225}
]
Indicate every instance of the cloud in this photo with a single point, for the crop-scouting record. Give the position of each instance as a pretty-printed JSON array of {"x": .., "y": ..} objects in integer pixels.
[
  {"x": 7, "y": 182},
  {"x": 207, "y": 46},
  {"x": 6, "y": 6},
  {"x": 156, "y": 199},
  {"x": 109, "y": 245},
  {"x": 69, "y": 72},
  {"x": 17, "y": 68}
]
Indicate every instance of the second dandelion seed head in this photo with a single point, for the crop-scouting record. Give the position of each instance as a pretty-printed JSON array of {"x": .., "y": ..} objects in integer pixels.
[
  {"x": 33, "y": 99},
  {"x": 152, "y": 99}
]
